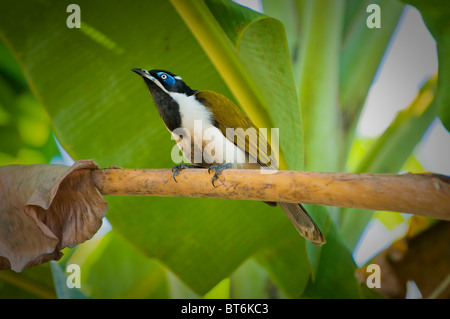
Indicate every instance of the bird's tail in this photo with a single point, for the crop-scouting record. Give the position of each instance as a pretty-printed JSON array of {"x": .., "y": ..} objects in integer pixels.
[{"x": 303, "y": 223}]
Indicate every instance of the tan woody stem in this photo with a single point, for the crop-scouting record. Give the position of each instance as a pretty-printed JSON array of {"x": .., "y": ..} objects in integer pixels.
[{"x": 422, "y": 194}]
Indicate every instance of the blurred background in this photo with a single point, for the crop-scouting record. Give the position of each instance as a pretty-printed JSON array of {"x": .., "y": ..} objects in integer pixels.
[{"x": 68, "y": 112}]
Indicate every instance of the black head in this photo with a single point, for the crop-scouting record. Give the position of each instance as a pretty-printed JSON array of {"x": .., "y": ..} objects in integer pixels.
[
  {"x": 164, "y": 81},
  {"x": 163, "y": 85}
]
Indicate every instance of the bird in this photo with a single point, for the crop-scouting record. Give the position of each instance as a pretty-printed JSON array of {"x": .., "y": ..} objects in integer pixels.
[{"x": 190, "y": 115}]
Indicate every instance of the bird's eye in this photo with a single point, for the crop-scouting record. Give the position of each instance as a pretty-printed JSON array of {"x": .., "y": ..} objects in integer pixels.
[{"x": 168, "y": 79}]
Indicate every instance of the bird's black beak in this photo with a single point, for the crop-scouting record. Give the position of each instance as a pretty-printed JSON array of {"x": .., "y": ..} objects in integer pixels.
[
  {"x": 141, "y": 72},
  {"x": 144, "y": 74},
  {"x": 152, "y": 83}
]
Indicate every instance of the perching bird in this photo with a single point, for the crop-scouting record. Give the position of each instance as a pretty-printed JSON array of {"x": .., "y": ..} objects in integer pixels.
[{"x": 190, "y": 115}]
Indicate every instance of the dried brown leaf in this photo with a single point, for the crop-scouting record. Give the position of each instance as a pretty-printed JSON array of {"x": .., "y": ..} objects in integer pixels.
[{"x": 45, "y": 208}]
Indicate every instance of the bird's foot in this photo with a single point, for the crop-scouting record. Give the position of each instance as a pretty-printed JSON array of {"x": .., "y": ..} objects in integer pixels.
[
  {"x": 218, "y": 169},
  {"x": 178, "y": 168}
]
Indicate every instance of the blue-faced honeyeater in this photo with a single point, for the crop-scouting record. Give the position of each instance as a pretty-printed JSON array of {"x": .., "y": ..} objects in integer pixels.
[{"x": 181, "y": 108}]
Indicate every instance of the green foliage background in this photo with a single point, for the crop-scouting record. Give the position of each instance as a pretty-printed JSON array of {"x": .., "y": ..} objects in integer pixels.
[{"x": 303, "y": 66}]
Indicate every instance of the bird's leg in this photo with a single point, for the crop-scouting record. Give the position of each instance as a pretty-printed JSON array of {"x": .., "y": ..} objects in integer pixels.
[
  {"x": 218, "y": 169},
  {"x": 178, "y": 168}
]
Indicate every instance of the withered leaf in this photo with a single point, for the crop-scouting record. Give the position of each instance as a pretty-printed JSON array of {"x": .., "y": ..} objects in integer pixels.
[{"x": 45, "y": 208}]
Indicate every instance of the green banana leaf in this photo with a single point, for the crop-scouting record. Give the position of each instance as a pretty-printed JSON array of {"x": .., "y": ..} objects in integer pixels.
[
  {"x": 285, "y": 252},
  {"x": 101, "y": 110},
  {"x": 25, "y": 129},
  {"x": 258, "y": 45},
  {"x": 108, "y": 257},
  {"x": 362, "y": 52},
  {"x": 32, "y": 283},
  {"x": 391, "y": 150},
  {"x": 436, "y": 15}
]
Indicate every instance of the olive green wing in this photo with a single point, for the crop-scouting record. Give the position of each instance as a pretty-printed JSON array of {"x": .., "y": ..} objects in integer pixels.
[{"x": 241, "y": 130}]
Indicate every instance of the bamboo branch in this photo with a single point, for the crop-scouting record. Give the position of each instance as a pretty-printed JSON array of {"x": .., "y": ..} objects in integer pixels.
[{"x": 421, "y": 194}]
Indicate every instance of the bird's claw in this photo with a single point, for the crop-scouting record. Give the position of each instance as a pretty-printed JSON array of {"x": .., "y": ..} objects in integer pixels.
[
  {"x": 218, "y": 170},
  {"x": 178, "y": 168}
]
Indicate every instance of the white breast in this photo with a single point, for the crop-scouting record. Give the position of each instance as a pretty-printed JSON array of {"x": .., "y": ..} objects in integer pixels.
[
  {"x": 191, "y": 110},
  {"x": 196, "y": 120}
]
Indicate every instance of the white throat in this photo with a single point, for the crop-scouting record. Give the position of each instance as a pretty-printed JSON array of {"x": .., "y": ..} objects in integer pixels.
[
  {"x": 192, "y": 110},
  {"x": 197, "y": 119}
]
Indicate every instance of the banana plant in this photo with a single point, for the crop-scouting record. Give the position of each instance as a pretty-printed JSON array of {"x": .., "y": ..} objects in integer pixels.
[{"x": 303, "y": 66}]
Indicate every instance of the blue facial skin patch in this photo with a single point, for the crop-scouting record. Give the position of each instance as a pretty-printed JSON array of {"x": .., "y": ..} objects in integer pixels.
[{"x": 168, "y": 79}]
